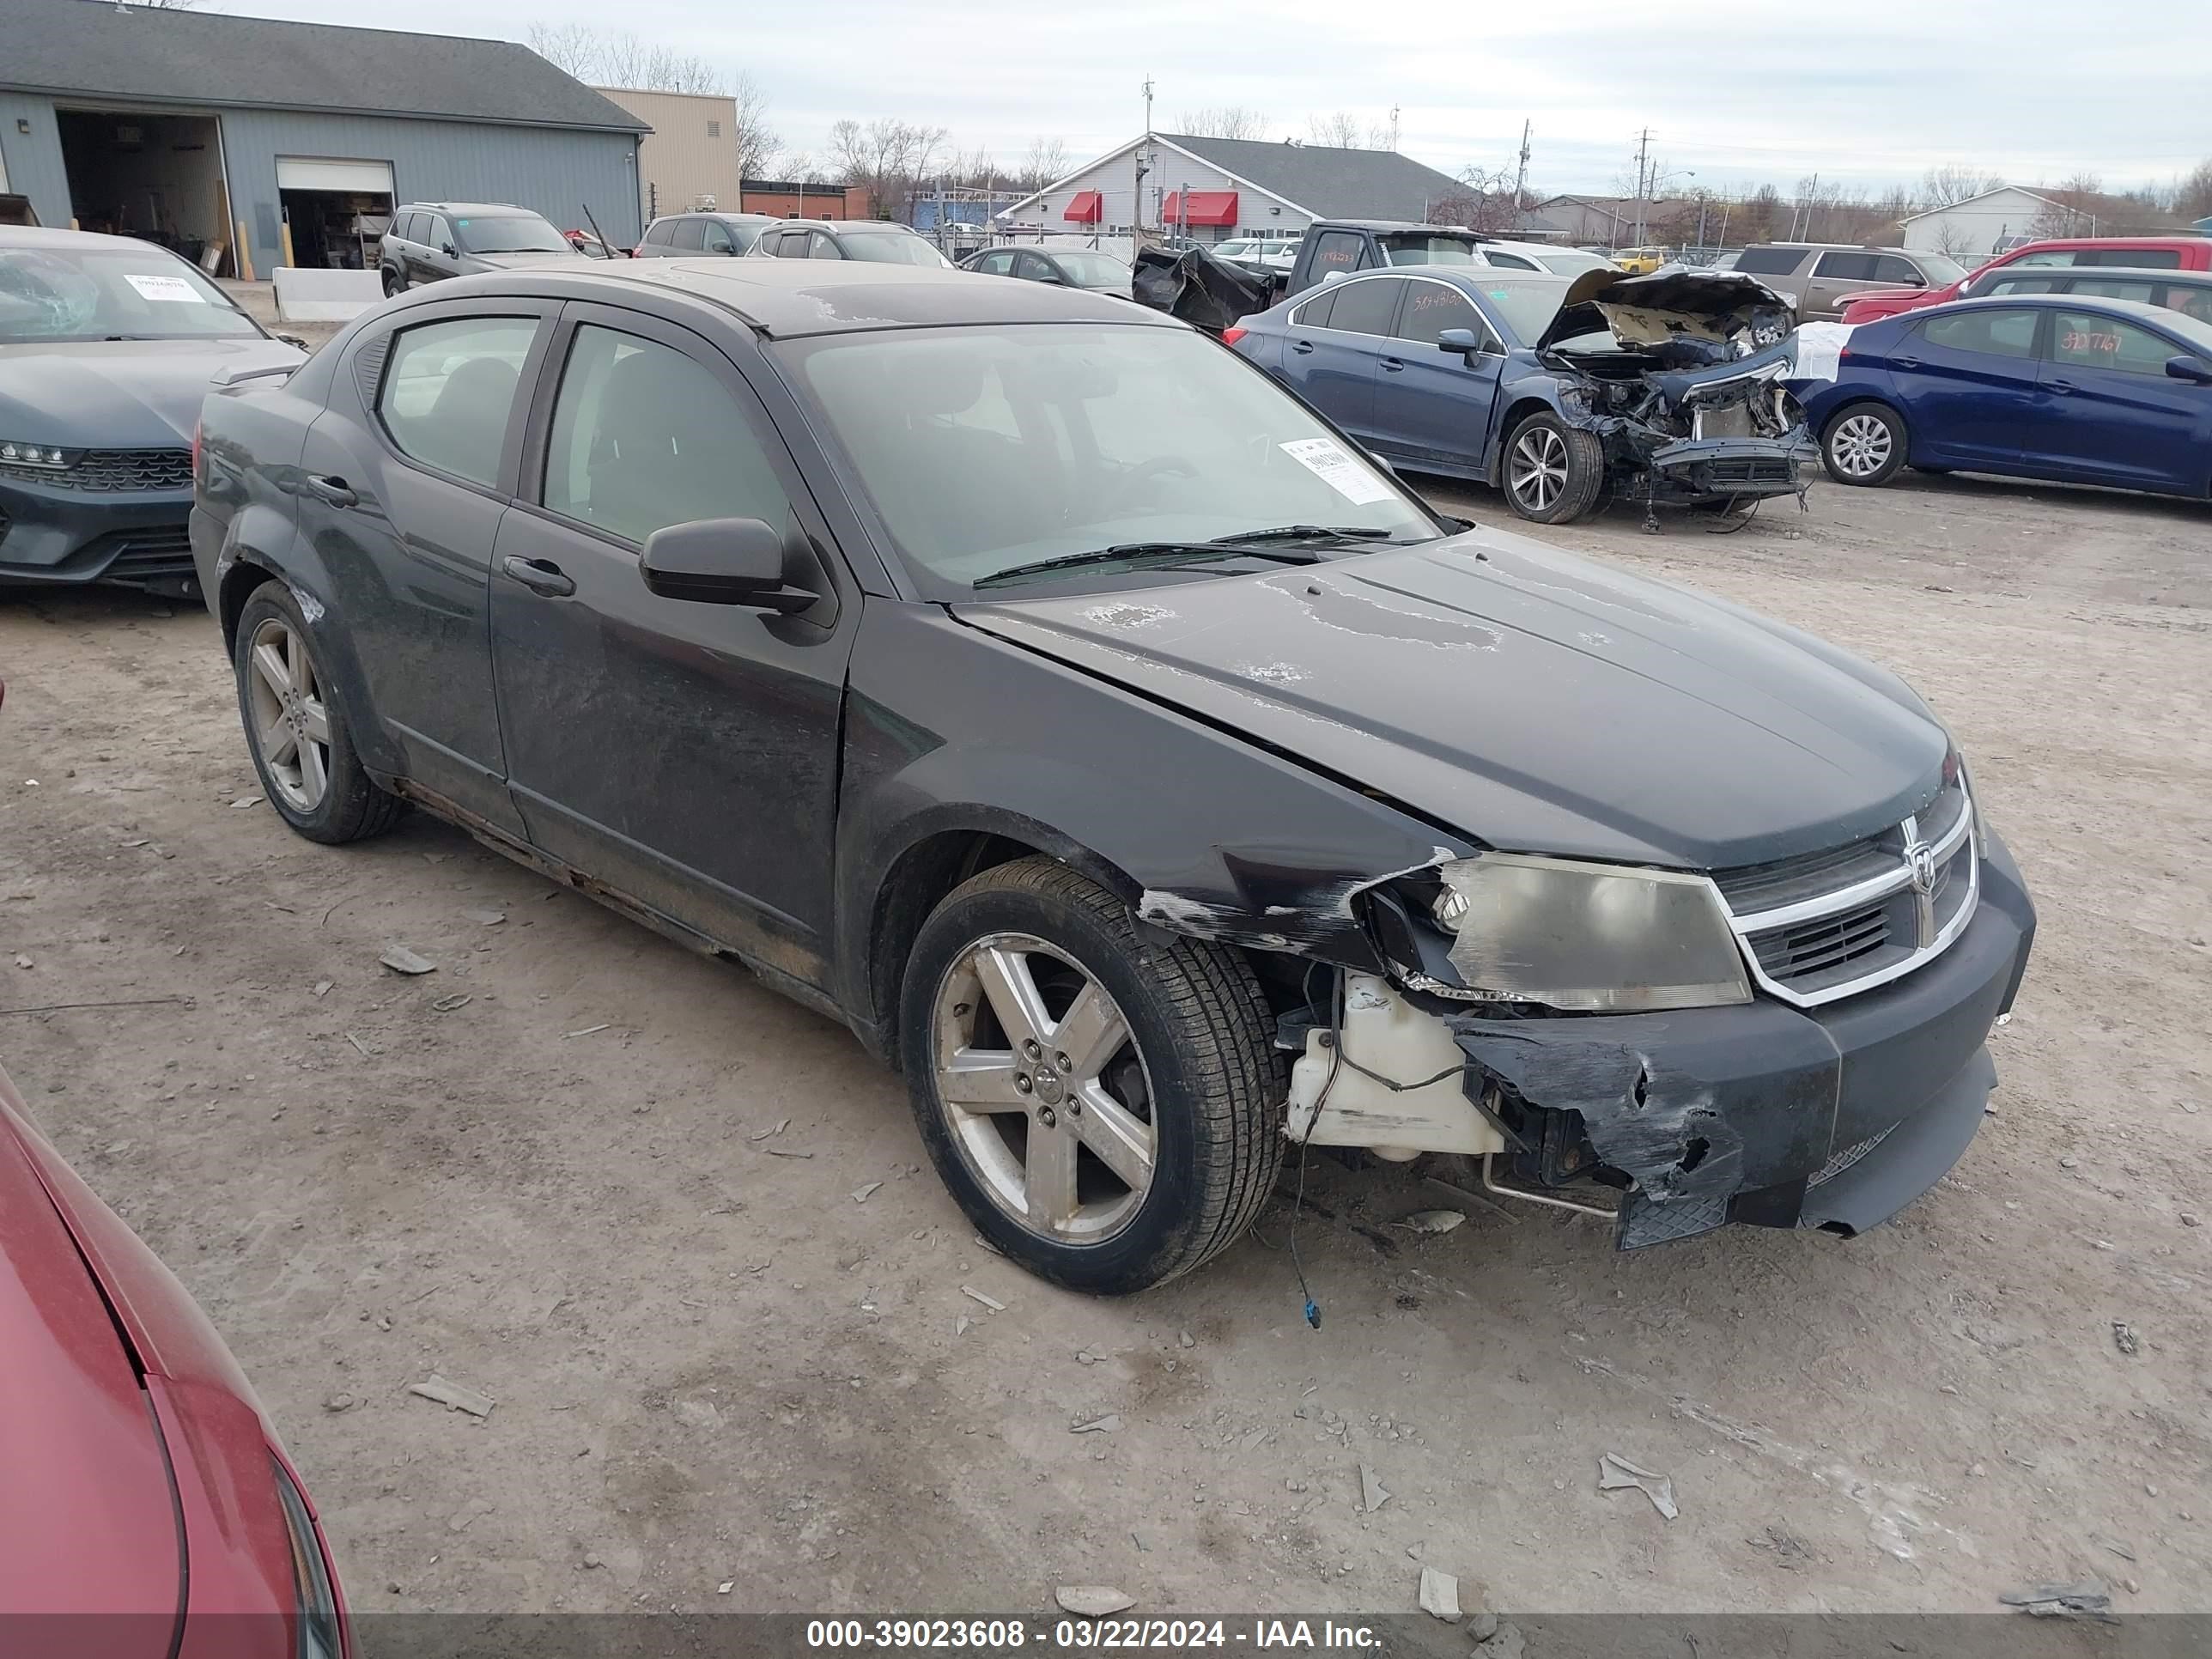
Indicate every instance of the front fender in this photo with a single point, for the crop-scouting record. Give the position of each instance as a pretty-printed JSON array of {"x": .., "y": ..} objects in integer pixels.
[{"x": 1201, "y": 832}]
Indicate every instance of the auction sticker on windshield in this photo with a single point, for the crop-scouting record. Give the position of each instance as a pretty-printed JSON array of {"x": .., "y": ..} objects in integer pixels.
[
  {"x": 1325, "y": 459},
  {"x": 170, "y": 289}
]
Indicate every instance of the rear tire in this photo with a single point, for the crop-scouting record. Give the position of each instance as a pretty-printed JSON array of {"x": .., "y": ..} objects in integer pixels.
[
  {"x": 1864, "y": 444},
  {"x": 297, "y": 728},
  {"x": 1144, "y": 1147},
  {"x": 392, "y": 285},
  {"x": 1552, "y": 472}
]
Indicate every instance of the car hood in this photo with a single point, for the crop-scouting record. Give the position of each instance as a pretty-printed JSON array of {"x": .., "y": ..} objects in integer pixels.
[
  {"x": 86, "y": 1521},
  {"x": 1667, "y": 304},
  {"x": 1529, "y": 699},
  {"x": 517, "y": 261},
  {"x": 118, "y": 394}
]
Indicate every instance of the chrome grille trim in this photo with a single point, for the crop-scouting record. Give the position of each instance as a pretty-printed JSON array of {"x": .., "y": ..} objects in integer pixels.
[{"x": 1939, "y": 912}]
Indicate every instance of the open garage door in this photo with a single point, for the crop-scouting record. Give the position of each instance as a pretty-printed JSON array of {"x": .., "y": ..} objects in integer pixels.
[
  {"x": 156, "y": 177},
  {"x": 338, "y": 210}
]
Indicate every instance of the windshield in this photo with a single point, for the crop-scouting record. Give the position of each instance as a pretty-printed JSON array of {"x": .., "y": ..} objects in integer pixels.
[
  {"x": 1404, "y": 249},
  {"x": 120, "y": 291},
  {"x": 1525, "y": 307},
  {"x": 892, "y": 247},
  {"x": 984, "y": 448},
  {"x": 1939, "y": 270},
  {"x": 1095, "y": 269},
  {"x": 509, "y": 233}
]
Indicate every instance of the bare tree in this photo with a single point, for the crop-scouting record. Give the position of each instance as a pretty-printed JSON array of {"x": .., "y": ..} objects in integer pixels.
[
  {"x": 1942, "y": 186},
  {"x": 2192, "y": 196},
  {"x": 887, "y": 156},
  {"x": 1484, "y": 201},
  {"x": 1231, "y": 121},
  {"x": 622, "y": 59},
  {"x": 1046, "y": 163},
  {"x": 757, "y": 144},
  {"x": 1340, "y": 130}
]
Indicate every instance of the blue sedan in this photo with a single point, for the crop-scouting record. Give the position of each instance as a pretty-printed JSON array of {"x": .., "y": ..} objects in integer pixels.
[
  {"x": 1529, "y": 383},
  {"x": 2063, "y": 386}
]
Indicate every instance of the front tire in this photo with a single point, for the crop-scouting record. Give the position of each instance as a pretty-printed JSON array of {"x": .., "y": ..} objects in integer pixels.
[
  {"x": 1106, "y": 1107},
  {"x": 297, "y": 730},
  {"x": 392, "y": 285},
  {"x": 1864, "y": 444},
  {"x": 1552, "y": 471}
]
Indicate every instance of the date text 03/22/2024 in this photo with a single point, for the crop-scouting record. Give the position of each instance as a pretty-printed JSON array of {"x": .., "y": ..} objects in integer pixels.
[{"x": 1008, "y": 1635}]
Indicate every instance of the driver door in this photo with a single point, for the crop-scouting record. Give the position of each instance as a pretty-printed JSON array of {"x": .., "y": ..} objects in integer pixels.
[
  {"x": 1432, "y": 407},
  {"x": 685, "y": 753}
]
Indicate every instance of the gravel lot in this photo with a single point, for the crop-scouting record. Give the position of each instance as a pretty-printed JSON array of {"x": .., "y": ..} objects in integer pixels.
[{"x": 715, "y": 1365}]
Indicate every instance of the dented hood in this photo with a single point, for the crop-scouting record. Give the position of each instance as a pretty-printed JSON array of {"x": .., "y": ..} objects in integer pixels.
[
  {"x": 1532, "y": 700},
  {"x": 1667, "y": 305}
]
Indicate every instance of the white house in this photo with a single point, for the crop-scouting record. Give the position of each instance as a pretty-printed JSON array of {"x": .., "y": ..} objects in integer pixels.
[
  {"x": 1980, "y": 225},
  {"x": 1225, "y": 187}
]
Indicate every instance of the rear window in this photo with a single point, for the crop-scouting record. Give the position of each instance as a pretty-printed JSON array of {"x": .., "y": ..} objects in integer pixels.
[
  {"x": 1850, "y": 267},
  {"x": 1400, "y": 248},
  {"x": 1998, "y": 333},
  {"x": 2136, "y": 259},
  {"x": 659, "y": 232},
  {"x": 1770, "y": 261},
  {"x": 1365, "y": 308}
]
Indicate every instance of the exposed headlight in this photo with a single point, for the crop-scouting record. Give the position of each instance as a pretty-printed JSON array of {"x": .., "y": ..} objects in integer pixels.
[
  {"x": 17, "y": 454},
  {"x": 1588, "y": 937},
  {"x": 315, "y": 1602}
]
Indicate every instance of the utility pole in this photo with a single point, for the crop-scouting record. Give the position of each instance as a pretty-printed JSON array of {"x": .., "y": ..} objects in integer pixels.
[
  {"x": 1137, "y": 197},
  {"x": 1521, "y": 175},
  {"x": 1643, "y": 162},
  {"x": 1393, "y": 126}
]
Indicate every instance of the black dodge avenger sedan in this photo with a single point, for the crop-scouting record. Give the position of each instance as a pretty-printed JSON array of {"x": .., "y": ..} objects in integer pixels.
[{"x": 1038, "y": 689}]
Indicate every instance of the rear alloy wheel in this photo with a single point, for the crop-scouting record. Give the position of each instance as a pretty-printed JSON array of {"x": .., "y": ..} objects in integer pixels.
[
  {"x": 1106, "y": 1107},
  {"x": 1553, "y": 471},
  {"x": 296, "y": 726},
  {"x": 1863, "y": 445}
]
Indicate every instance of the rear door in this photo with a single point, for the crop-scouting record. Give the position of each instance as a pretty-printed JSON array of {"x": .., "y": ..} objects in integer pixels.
[
  {"x": 1967, "y": 381},
  {"x": 1838, "y": 272},
  {"x": 1335, "y": 366},
  {"x": 2112, "y": 413},
  {"x": 1432, "y": 406},
  {"x": 1036, "y": 268},
  {"x": 684, "y": 752},
  {"x": 406, "y": 477}
]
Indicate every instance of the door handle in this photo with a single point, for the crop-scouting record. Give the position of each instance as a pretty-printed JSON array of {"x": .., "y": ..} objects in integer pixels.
[
  {"x": 540, "y": 576},
  {"x": 2063, "y": 386},
  {"x": 1392, "y": 365},
  {"x": 1301, "y": 346},
  {"x": 333, "y": 491},
  {"x": 1906, "y": 362}
]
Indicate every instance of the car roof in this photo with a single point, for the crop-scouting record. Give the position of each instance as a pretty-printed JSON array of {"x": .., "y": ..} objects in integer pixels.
[
  {"x": 1848, "y": 247},
  {"x": 57, "y": 236},
  {"x": 719, "y": 213},
  {"x": 1466, "y": 276},
  {"x": 481, "y": 209},
  {"x": 1395, "y": 224},
  {"x": 789, "y": 299},
  {"x": 2134, "y": 309},
  {"x": 2098, "y": 273}
]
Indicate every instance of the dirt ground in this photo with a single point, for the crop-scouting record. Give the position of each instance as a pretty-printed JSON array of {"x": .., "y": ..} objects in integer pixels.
[{"x": 724, "y": 1354}]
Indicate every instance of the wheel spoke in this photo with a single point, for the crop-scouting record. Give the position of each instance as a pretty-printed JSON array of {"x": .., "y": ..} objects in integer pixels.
[
  {"x": 1089, "y": 1033},
  {"x": 277, "y": 742},
  {"x": 317, "y": 720},
  {"x": 982, "y": 1080},
  {"x": 1122, "y": 1141},
  {"x": 275, "y": 673},
  {"x": 314, "y": 774},
  {"x": 1012, "y": 990},
  {"x": 303, "y": 666},
  {"x": 1048, "y": 1176}
]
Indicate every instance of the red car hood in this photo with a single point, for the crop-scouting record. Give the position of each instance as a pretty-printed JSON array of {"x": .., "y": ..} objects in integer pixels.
[
  {"x": 1877, "y": 303},
  {"x": 88, "y": 1518}
]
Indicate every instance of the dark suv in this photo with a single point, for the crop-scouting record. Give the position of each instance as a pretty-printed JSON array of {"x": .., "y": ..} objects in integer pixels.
[
  {"x": 429, "y": 241},
  {"x": 674, "y": 235}
]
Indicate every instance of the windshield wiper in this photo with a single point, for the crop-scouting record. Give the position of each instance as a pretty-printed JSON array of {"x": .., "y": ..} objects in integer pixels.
[
  {"x": 1136, "y": 554},
  {"x": 1308, "y": 532}
]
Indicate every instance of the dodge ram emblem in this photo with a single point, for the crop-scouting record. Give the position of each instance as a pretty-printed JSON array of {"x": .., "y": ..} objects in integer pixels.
[{"x": 1921, "y": 858}]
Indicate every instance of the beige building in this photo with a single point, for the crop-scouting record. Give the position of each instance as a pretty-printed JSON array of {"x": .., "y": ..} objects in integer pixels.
[{"x": 691, "y": 153}]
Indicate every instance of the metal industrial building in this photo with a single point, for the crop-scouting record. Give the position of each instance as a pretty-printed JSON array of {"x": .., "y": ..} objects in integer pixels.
[
  {"x": 194, "y": 128},
  {"x": 1217, "y": 188}
]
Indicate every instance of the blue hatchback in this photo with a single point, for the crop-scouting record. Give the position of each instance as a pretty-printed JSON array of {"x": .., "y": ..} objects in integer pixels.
[{"x": 2064, "y": 386}]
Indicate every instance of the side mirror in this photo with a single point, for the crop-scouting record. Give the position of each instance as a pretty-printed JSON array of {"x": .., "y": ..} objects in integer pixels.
[
  {"x": 2195, "y": 370},
  {"x": 446, "y": 248},
  {"x": 723, "y": 562},
  {"x": 1463, "y": 341}
]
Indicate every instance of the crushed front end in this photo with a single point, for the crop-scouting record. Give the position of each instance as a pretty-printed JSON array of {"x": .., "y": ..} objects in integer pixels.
[
  {"x": 1841, "y": 1077},
  {"x": 1657, "y": 367}
]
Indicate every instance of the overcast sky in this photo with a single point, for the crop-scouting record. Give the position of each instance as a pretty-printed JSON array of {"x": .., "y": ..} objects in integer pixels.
[{"x": 2035, "y": 90}]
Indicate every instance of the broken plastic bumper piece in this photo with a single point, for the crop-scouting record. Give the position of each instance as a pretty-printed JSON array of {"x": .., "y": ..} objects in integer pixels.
[{"x": 1835, "y": 1117}]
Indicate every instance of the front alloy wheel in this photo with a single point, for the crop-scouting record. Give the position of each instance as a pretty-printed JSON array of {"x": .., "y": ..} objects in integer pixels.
[
  {"x": 1104, "y": 1101},
  {"x": 1552, "y": 471},
  {"x": 1864, "y": 444},
  {"x": 1043, "y": 1089}
]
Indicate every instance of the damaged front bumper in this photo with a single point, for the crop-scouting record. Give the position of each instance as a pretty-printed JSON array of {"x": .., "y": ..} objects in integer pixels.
[
  {"x": 1721, "y": 469},
  {"x": 1834, "y": 1117}
]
